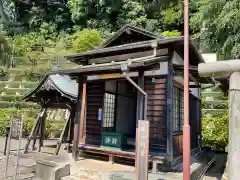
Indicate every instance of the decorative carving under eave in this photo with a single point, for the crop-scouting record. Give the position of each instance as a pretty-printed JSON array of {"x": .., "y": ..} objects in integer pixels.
[{"x": 48, "y": 85}]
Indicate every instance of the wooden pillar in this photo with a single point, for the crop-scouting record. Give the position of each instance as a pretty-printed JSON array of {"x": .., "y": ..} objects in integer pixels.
[
  {"x": 169, "y": 110},
  {"x": 140, "y": 97},
  {"x": 34, "y": 132},
  {"x": 42, "y": 130},
  {"x": 83, "y": 110},
  {"x": 77, "y": 119},
  {"x": 199, "y": 108},
  {"x": 140, "y": 108},
  {"x": 70, "y": 127},
  {"x": 63, "y": 135},
  {"x": 234, "y": 127}
]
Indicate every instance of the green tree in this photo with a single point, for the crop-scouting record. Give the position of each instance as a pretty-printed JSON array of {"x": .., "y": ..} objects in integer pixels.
[
  {"x": 5, "y": 51},
  {"x": 34, "y": 15},
  {"x": 86, "y": 39},
  {"x": 221, "y": 21}
]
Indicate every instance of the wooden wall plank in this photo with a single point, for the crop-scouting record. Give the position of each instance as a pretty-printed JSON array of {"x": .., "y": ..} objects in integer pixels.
[
  {"x": 156, "y": 110},
  {"x": 95, "y": 95}
]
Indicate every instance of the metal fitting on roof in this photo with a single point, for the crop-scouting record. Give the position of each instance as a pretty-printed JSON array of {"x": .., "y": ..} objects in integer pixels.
[
  {"x": 154, "y": 44},
  {"x": 124, "y": 67}
]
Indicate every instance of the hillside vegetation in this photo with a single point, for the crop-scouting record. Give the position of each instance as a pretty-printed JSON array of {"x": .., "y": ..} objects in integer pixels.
[{"x": 36, "y": 34}]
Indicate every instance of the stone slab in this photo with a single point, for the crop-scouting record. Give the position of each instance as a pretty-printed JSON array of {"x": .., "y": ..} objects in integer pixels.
[{"x": 52, "y": 167}]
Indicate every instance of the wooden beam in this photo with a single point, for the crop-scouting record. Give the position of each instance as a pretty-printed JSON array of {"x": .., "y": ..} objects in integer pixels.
[
  {"x": 169, "y": 111},
  {"x": 194, "y": 86},
  {"x": 140, "y": 107},
  {"x": 140, "y": 97},
  {"x": 42, "y": 130},
  {"x": 124, "y": 57},
  {"x": 193, "y": 79},
  {"x": 82, "y": 118},
  {"x": 77, "y": 119},
  {"x": 160, "y": 71},
  {"x": 63, "y": 133},
  {"x": 71, "y": 128},
  {"x": 33, "y": 134}
]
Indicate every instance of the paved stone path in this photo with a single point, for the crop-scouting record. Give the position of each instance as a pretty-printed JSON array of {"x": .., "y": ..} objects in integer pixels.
[{"x": 110, "y": 172}]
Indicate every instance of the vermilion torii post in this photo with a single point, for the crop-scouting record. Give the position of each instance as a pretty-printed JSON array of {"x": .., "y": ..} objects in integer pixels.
[
  {"x": 186, "y": 126},
  {"x": 232, "y": 68}
]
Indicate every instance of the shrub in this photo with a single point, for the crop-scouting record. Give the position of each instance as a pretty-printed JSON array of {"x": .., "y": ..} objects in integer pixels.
[
  {"x": 3, "y": 71},
  {"x": 28, "y": 125},
  {"x": 215, "y": 131},
  {"x": 171, "y": 33}
]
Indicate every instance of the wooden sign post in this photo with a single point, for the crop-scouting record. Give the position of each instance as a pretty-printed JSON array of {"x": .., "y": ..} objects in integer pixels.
[
  {"x": 16, "y": 127},
  {"x": 142, "y": 150},
  {"x": 16, "y": 130}
]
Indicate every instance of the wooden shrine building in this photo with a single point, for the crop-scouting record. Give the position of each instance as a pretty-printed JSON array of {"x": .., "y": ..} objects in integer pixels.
[
  {"x": 109, "y": 107},
  {"x": 53, "y": 92}
]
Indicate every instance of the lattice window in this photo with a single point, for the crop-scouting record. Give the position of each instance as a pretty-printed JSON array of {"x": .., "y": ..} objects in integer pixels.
[
  {"x": 109, "y": 110},
  {"x": 178, "y": 109},
  {"x": 181, "y": 111},
  {"x": 175, "y": 109}
]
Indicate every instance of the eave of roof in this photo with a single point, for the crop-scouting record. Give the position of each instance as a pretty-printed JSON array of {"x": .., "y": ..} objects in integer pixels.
[
  {"x": 193, "y": 70},
  {"x": 114, "y": 67},
  {"x": 47, "y": 77},
  {"x": 104, "y": 52}
]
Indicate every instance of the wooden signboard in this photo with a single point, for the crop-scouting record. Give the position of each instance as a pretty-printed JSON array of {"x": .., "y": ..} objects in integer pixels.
[
  {"x": 16, "y": 127},
  {"x": 142, "y": 150}
]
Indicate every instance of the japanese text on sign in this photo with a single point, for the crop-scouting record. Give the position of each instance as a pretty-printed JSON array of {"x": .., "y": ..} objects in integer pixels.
[
  {"x": 110, "y": 140},
  {"x": 16, "y": 126},
  {"x": 142, "y": 149}
]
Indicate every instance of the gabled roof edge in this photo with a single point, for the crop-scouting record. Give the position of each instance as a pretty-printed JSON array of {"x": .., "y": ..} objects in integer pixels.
[
  {"x": 128, "y": 26},
  {"x": 43, "y": 80}
]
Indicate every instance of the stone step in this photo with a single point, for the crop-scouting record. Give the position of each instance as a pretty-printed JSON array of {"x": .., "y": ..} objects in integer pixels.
[
  {"x": 28, "y": 176},
  {"x": 72, "y": 178},
  {"x": 84, "y": 172}
]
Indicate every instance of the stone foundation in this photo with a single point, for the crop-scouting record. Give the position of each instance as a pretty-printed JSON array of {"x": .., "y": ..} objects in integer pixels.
[{"x": 52, "y": 168}]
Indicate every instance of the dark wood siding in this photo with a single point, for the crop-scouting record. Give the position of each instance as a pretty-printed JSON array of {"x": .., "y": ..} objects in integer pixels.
[
  {"x": 177, "y": 144},
  {"x": 156, "y": 112},
  {"x": 193, "y": 120},
  {"x": 193, "y": 117},
  {"x": 95, "y": 94}
]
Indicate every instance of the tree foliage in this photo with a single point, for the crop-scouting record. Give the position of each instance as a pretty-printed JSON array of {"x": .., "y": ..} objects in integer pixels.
[
  {"x": 171, "y": 33},
  {"x": 215, "y": 131},
  {"x": 86, "y": 39},
  {"x": 43, "y": 30},
  {"x": 215, "y": 118},
  {"x": 5, "y": 50},
  {"x": 221, "y": 21}
]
